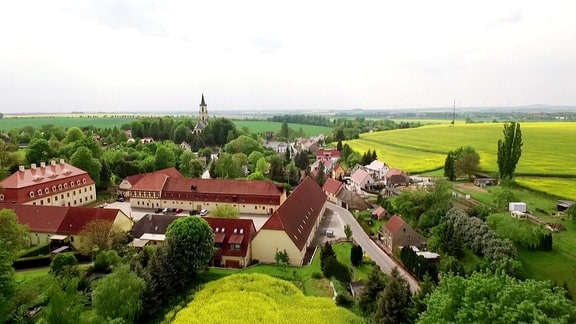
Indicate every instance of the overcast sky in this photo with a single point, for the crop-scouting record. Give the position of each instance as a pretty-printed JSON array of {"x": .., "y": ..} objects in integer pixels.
[{"x": 138, "y": 55}]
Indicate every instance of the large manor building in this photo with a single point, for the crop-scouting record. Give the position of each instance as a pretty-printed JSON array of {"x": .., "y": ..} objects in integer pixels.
[{"x": 53, "y": 184}]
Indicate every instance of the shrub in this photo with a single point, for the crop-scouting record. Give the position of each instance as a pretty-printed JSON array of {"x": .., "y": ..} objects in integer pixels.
[
  {"x": 63, "y": 263},
  {"x": 32, "y": 262},
  {"x": 344, "y": 300},
  {"x": 356, "y": 254},
  {"x": 367, "y": 229},
  {"x": 105, "y": 261},
  {"x": 335, "y": 268}
]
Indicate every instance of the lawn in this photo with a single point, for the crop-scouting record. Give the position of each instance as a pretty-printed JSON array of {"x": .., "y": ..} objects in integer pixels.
[
  {"x": 25, "y": 276},
  {"x": 261, "y": 126}
]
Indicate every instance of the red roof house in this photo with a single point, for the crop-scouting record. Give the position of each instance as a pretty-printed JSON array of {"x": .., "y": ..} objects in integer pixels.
[
  {"x": 293, "y": 225},
  {"x": 232, "y": 241},
  {"x": 332, "y": 188},
  {"x": 55, "y": 184},
  {"x": 397, "y": 233}
]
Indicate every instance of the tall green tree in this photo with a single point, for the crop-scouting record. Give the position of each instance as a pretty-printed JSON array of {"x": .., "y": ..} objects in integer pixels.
[
  {"x": 65, "y": 303},
  {"x": 472, "y": 300},
  {"x": 192, "y": 244},
  {"x": 39, "y": 150},
  {"x": 394, "y": 302},
  {"x": 450, "y": 166},
  {"x": 164, "y": 158},
  {"x": 468, "y": 163},
  {"x": 509, "y": 150},
  {"x": 84, "y": 160},
  {"x": 372, "y": 289},
  {"x": 284, "y": 131},
  {"x": 118, "y": 296}
]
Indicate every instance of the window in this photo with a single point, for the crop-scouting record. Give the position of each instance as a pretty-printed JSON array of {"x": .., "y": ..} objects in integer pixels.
[
  {"x": 1, "y": 196},
  {"x": 234, "y": 246},
  {"x": 78, "y": 182},
  {"x": 48, "y": 200},
  {"x": 71, "y": 238},
  {"x": 39, "y": 192},
  {"x": 73, "y": 192},
  {"x": 218, "y": 245},
  {"x": 83, "y": 180},
  {"x": 60, "y": 187},
  {"x": 65, "y": 186},
  {"x": 68, "y": 194},
  {"x": 71, "y": 183},
  {"x": 42, "y": 202},
  {"x": 80, "y": 200},
  {"x": 62, "y": 196},
  {"x": 47, "y": 191},
  {"x": 55, "y": 198},
  {"x": 53, "y": 188},
  {"x": 85, "y": 189}
]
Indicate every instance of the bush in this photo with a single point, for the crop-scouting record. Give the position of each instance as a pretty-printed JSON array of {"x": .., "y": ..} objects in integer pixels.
[
  {"x": 105, "y": 261},
  {"x": 316, "y": 275},
  {"x": 36, "y": 251},
  {"x": 335, "y": 268},
  {"x": 356, "y": 255},
  {"x": 344, "y": 300},
  {"x": 367, "y": 229},
  {"x": 32, "y": 262},
  {"x": 63, "y": 263}
]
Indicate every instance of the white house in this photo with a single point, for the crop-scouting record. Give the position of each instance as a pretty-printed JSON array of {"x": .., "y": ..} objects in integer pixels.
[{"x": 360, "y": 179}]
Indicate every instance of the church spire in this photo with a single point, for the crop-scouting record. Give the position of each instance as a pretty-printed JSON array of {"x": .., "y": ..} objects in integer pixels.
[{"x": 202, "y": 103}]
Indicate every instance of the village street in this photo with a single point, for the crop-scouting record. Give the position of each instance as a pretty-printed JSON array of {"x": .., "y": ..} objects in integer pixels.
[{"x": 369, "y": 247}]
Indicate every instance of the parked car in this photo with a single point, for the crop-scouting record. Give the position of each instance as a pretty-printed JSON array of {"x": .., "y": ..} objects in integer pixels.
[
  {"x": 158, "y": 210},
  {"x": 178, "y": 210},
  {"x": 165, "y": 210},
  {"x": 194, "y": 212},
  {"x": 203, "y": 212},
  {"x": 121, "y": 199}
]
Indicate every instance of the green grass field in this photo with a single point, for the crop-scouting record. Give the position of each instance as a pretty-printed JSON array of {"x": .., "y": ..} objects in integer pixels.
[
  {"x": 261, "y": 126},
  {"x": 7, "y": 124},
  {"x": 548, "y": 151}
]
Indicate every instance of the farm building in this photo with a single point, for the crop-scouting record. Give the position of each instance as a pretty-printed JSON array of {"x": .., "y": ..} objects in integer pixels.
[
  {"x": 396, "y": 177},
  {"x": 130, "y": 181},
  {"x": 483, "y": 182},
  {"x": 398, "y": 233},
  {"x": 517, "y": 206},
  {"x": 63, "y": 225},
  {"x": 292, "y": 226},
  {"x": 55, "y": 184}
]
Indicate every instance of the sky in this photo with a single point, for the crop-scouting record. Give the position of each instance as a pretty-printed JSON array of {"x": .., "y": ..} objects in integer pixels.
[{"x": 148, "y": 55}]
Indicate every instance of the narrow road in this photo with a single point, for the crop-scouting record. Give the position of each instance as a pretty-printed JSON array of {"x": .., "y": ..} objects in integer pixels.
[{"x": 380, "y": 257}]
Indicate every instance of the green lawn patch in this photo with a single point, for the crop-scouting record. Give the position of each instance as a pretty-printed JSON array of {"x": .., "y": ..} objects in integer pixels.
[{"x": 261, "y": 126}]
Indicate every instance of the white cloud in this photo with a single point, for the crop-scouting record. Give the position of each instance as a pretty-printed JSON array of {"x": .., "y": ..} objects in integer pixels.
[{"x": 134, "y": 55}]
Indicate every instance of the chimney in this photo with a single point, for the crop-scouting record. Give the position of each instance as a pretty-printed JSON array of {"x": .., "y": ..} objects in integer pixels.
[
  {"x": 21, "y": 168},
  {"x": 42, "y": 164},
  {"x": 33, "y": 166},
  {"x": 61, "y": 161},
  {"x": 52, "y": 162}
]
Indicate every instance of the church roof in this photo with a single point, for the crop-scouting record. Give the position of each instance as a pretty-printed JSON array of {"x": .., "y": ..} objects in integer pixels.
[{"x": 202, "y": 103}]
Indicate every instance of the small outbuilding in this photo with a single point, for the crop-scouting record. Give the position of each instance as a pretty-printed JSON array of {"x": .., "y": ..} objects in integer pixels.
[
  {"x": 563, "y": 205},
  {"x": 517, "y": 206}
]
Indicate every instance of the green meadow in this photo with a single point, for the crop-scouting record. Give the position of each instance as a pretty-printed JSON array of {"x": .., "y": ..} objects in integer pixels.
[
  {"x": 100, "y": 121},
  {"x": 549, "y": 150}
]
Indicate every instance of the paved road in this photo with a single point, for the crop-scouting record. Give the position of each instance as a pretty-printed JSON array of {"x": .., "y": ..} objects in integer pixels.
[{"x": 380, "y": 257}]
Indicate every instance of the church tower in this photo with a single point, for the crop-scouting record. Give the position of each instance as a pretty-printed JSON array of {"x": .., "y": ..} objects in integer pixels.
[{"x": 202, "y": 117}]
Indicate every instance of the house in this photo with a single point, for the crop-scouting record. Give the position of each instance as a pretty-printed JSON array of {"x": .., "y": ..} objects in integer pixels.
[
  {"x": 379, "y": 213},
  {"x": 396, "y": 177},
  {"x": 377, "y": 169},
  {"x": 232, "y": 241},
  {"x": 55, "y": 184},
  {"x": 338, "y": 172},
  {"x": 327, "y": 155},
  {"x": 151, "y": 230},
  {"x": 292, "y": 226},
  {"x": 247, "y": 196},
  {"x": 397, "y": 233},
  {"x": 127, "y": 183},
  {"x": 361, "y": 179},
  {"x": 331, "y": 188},
  {"x": 63, "y": 225},
  {"x": 327, "y": 166},
  {"x": 351, "y": 200},
  {"x": 185, "y": 146}
]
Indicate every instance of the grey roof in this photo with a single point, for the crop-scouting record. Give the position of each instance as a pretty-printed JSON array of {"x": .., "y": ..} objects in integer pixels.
[{"x": 152, "y": 224}]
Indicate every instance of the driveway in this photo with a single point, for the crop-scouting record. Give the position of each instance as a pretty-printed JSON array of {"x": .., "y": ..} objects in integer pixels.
[{"x": 369, "y": 247}]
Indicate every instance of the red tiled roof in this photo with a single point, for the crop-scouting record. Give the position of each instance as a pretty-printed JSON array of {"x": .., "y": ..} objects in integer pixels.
[
  {"x": 77, "y": 218},
  {"x": 332, "y": 186},
  {"x": 49, "y": 180},
  {"x": 329, "y": 153},
  {"x": 394, "y": 224},
  {"x": 263, "y": 192},
  {"x": 245, "y": 231},
  {"x": 171, "y": 172},
  {"x": 151, "y": 182},
  {"x": 299, "y": 213},
  {"x": 59, "y": 220},
  {"x": 393, "y": 172},
  {"x": 40, "y": 219}
]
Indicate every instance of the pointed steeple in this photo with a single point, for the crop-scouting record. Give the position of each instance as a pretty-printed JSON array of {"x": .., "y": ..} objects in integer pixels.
[{"x": 202, "y": 103}]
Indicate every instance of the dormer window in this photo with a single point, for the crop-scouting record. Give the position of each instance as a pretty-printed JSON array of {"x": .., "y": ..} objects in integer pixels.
[
  {"x": 65, "y": 186},
  {"x": 83, "y": 180},
  {"x": 53, "y": 188},
  {"x": 71, "y": 183},
  {"x": 31, "y": 194},
  {"x": 39, "y": 192},
  {"x": 78, "y": 182},
  {"x": 60, "y": 187},
  {"x": 1, "y": 196},
  {"x": 235, "y": 230},
  {"x": 46, "y": 191}
]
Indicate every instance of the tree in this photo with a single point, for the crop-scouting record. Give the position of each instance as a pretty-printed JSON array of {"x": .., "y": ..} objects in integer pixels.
[
  {"x": 225, "y": 211},
  {"x": 325, "y": 252},
  {"x": 192, "y": 244},
  {"x": 118, "y": 296},
  {"x": 243, "y": 144},
  {"x": 571, "y": 212},
  {"x": 65, "y": 303},
  {"x": 282, "y": 258},
  {"x": 84, "y": 160},
  {"x": 347, "y": 232},
  {"x": 74, "y": 134},
  {"x": 503, "y": 195},
  {"x": 356, "y": 255},
  {"x": 450, "y": 166},
  {"x": 284, "y": 131},
  {"x": 12, "y": 239},
  {"x": 63, "y": 264},
  {"x": 38, "y": 151},
  {"x": 164, "y": 158},
  {"x": 509, "y": 150},
  {"x": 374, "y": 286},
  {"x": 468, "y": 163},
  {"x": 321, "y": 175},
  {"x": 393, "y": 304},
  {"x": 471, "y": 300},
  {"x": 181, "y": 133},
  {"x": 339, "y": 146},
  {"x": 106, "y": 260},
  {"x": 100, "y": 235}
]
